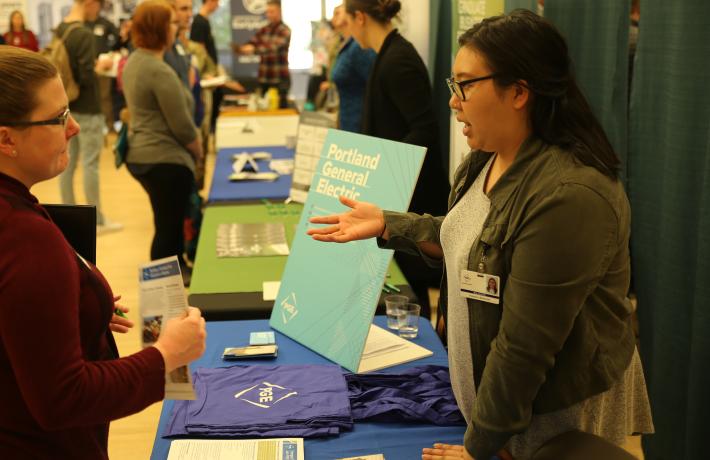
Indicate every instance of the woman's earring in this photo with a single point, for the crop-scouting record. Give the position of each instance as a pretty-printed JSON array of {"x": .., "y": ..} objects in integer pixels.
[{"x": 14, "y": 154}]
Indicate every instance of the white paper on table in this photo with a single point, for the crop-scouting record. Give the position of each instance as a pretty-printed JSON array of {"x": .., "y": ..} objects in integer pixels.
[
  {"x": 384, "y": 349},
  {"x": 228, "y": 449},
  {"x": 283, "y": 166},
  {"x": 162, "y": 297},
  {"x": 214, "y": 81},
  {"x": 232, "y": 124},
  {"x": 271, "y": 290},
  {"x": 365, "y": 457}
]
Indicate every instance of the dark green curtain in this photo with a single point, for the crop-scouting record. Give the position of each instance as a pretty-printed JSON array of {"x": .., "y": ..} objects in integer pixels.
[
  {"x": 511, "y": 5},
  {"x": 669, "y": 187},
  {"x": 597, "y": 33},
  {"x": 440, "y": 57}
]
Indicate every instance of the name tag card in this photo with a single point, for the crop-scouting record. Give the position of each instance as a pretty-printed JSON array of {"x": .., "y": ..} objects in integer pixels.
[{"x": 480, "y": 286}]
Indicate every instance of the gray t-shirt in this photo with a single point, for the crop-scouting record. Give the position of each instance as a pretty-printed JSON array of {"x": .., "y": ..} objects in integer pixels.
[
  {"x": 161, "y": 111},
  {"x": 459, "y": 231}
]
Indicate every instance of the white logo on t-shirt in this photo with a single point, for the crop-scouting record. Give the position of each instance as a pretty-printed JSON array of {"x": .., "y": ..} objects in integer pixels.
[{"x": 265, "y": 394}]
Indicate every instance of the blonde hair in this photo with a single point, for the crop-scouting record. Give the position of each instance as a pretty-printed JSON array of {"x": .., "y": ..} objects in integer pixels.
[{"x": 21, "y": 73}]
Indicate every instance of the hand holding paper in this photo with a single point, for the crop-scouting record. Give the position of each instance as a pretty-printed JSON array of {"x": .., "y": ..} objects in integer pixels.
[
  {"x": 363, "y": 221},
  {"x": 182, "y": 340}
]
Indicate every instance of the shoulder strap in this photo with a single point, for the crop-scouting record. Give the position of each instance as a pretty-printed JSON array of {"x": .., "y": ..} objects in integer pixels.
[{"x": 69, "y": 30}]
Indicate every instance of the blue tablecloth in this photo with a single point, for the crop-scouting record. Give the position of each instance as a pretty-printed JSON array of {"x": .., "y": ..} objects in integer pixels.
[
  {"x": 222, "y": 190},
  {"x": 394, "y": 440}
]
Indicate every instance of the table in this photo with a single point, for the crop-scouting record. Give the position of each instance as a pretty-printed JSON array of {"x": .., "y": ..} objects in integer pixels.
[
  {"x": 243, "y": 111},
  {"x": 231, "y": 288},
  {"x": 397, "y": 441},
  {"x": 253, "y": 129},
  {"x": 223, "y": 190}
]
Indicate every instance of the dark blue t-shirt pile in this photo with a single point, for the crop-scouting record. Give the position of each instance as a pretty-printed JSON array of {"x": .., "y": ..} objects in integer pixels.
[
  {"x": 420, "y": 394},
  {"x": 309, "y": 401}
]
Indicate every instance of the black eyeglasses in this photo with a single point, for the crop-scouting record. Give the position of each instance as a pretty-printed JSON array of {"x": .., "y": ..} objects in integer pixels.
[
  {"x": 456, "y": 87},
  {"x": 60, "y": 120}
]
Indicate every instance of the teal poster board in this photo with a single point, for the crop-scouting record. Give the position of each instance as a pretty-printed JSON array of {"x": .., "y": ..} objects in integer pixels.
[{"x": 329, "y": 291}]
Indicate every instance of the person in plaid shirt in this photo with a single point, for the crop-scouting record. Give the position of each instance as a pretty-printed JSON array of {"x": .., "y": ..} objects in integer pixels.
[{"x": 271, "y": 43}]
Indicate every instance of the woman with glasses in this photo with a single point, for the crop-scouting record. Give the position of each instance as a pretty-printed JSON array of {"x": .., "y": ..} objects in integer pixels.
[
  {"x": 398, "y": 106},
  {"x": 163, "y": 140},
  {"x": 61, "y": 380},
  {"x": 537, "y": 206}
]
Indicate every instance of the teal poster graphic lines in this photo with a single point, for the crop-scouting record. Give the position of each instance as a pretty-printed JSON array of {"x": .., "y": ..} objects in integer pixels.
[{"x": 329, "y": 291}]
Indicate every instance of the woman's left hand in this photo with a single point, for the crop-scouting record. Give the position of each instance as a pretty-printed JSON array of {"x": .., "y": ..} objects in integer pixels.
[
  {"x": 445, "y": 452},
  {"x": 119, "y": 323}
]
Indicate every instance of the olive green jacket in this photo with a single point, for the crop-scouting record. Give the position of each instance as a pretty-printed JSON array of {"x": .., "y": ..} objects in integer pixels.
[{"x": 557, "y": 234}]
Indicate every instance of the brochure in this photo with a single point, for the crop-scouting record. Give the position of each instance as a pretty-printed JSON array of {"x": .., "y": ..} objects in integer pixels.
[
  {"x": 251, "y": 240},
  {"x": 247, "y": 449},
  {"x": 162, "y": 297}
]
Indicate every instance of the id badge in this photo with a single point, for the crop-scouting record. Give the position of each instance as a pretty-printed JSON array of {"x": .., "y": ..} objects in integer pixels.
[{"x": 480, "y": 286}]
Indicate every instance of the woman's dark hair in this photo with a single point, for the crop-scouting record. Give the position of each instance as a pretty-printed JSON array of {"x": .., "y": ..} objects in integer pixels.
[
  {"x": 523, "y": 46},
  {"x": 21, "y": 73},
  {"x": 23, "y": 20},
  {"x": 382, "y": 11}
]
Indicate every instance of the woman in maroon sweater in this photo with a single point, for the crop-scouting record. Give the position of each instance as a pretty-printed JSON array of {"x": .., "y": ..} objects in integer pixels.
[
  {"x": 61, "y": 380},
  {"x": 19, "y": 35}
]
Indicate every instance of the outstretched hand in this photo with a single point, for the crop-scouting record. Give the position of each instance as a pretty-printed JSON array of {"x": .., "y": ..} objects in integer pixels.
[
  {"x": 455, "y": 452},
  {"x": 363, "y": 220},
  {"x": 445, "y": 452}
]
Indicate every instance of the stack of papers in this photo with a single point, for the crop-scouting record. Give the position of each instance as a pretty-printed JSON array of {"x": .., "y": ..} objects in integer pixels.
[
  {"x": 264, "y": 401},
  {"x": 259, "y": 449},
  {"x": 251, "y": 240}
]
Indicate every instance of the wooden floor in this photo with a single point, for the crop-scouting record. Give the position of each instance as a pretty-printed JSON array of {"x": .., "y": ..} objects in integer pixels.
[{"x": 118, "y": 257}]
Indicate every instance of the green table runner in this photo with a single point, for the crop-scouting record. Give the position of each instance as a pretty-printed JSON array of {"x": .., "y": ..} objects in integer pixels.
[{"x": 213, "y": 275}]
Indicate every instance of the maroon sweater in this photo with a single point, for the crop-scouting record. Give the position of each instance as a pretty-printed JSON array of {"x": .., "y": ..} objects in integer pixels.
[{"x": 61, "y": 381}]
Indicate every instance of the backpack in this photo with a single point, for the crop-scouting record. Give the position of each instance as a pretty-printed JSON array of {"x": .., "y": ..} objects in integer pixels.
[{"x": 57, "y": 54}]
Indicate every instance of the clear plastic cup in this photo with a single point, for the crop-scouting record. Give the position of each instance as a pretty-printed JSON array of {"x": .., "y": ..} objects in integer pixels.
[
  {"x": 392, "y": 306},
  {"x": 409, "y": 320}
]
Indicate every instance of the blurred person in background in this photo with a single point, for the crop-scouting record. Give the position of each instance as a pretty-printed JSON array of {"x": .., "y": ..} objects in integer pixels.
[
  {"x": 177, "y": 56},
  {"x": 398, "y": 106},
  {"x": 201, "y": 32},
  {"x": 325, "y": 43},
  {"x": 19, "y": 35},
  {"x": 107, "y": 39},
  {"x": 163, "y": 141},
  {"x": 271, "y": 44},
  {"x": 349, "y": 74},
  {"x": 86, "y": 109}
]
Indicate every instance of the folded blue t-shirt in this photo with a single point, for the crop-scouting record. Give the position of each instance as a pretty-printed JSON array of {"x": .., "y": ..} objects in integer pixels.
[{"x": 284, "y": 401}]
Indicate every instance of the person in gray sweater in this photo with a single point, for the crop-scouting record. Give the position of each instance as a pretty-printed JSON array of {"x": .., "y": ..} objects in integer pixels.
[{"x": 163, "y": 140}]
